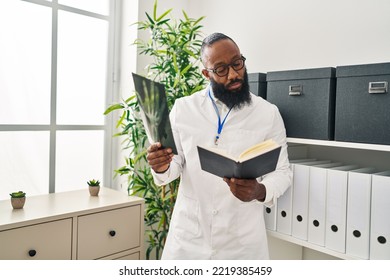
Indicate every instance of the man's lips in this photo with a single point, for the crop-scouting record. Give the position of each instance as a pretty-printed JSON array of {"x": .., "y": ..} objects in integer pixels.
[{"x": 235, "y": 85}]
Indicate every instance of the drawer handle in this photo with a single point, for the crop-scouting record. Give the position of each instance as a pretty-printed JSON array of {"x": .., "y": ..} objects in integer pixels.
[
  {"x": 378, "y": 87},
  {"x": 295, "y": 90},
  {"x": 32, "y": 253},
  {"x": 112, "y": 233}
]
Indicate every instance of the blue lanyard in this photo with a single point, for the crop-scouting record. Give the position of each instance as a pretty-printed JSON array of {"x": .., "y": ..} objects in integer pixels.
[{"x": 220, "y": 124}]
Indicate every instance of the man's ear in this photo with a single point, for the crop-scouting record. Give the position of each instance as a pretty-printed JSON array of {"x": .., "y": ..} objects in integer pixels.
[{"x": 206, "y": 74}]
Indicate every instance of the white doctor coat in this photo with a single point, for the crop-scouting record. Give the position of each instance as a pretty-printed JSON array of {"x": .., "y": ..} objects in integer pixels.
[{"x": 208, "y": 222}]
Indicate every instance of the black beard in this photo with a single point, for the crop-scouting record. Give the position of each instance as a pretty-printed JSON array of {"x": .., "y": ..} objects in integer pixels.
[{"x": 238, "y": 98}]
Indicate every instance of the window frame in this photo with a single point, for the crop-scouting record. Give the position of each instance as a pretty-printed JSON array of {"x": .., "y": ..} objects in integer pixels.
[{"x": 113, "y": 19}]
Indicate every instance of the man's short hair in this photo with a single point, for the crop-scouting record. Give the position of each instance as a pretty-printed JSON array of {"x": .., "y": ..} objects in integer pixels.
[{"x": 211, "y": 39}]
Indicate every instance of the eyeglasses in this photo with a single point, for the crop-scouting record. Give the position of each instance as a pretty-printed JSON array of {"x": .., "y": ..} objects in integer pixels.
[{"x": 223, "y": 70}]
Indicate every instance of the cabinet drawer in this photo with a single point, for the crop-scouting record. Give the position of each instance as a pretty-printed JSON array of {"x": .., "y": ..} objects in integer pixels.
[
  {"x": 105, "y": 233},
  {"x": 134, "y": 256},
  {"x": 52, "y": 240}
]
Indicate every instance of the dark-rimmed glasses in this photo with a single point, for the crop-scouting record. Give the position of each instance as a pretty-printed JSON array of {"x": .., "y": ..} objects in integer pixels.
[{"x": 223, "y": 70}]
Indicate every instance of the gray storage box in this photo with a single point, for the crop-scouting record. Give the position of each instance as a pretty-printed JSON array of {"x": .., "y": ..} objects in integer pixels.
[
  {"x": 363, "y": 103},
  {"x": 258, "y": 84},
  {"x": 305, "y": 99}
]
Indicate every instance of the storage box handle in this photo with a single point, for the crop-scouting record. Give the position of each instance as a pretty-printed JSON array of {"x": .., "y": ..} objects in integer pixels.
[
  {"x": 295, "y": 90},
  {"x": 378, "y": 87}
]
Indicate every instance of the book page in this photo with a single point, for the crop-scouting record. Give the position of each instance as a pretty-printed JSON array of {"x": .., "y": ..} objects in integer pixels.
[{"x": 258, "y": 149}]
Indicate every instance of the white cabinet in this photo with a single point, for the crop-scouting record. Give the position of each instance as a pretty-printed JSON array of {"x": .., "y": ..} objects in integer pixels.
[
  {"x": 284, "y": 246},
  {"x": 73, "y": 225}
]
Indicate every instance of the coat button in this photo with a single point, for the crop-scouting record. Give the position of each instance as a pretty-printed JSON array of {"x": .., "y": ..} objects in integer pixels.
[{"x": 215, "y": 212}]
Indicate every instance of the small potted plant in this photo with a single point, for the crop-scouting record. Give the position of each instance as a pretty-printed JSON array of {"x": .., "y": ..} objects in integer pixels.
[
  {"x": 18, "y": 199},
  {"x": 94, "y": 187}
]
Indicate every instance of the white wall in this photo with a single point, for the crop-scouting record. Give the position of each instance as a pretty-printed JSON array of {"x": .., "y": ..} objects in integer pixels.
[{"x": 294, "y": 34}]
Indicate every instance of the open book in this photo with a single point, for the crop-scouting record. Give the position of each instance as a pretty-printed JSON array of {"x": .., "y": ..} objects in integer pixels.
[
  {"x": 252, "y": 163},
  {"x": 154, "y": 111}
]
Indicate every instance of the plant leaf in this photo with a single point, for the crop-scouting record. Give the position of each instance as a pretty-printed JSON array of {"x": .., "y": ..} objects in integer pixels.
[
  {"x": 113, "y": 108},
  {"x": 163, "y": 15}
]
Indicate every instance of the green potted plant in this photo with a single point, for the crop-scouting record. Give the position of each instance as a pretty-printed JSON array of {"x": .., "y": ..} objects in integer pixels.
[
  {"x": 18, "y": 199},
  {"x": 174, "y": 47},
  {"x": 94, "y": 187}
]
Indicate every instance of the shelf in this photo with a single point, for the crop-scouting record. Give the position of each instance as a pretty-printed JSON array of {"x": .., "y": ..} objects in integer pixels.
[
  {"x": 362, "y": 155},
  {"x": 312, "y": 246},
  {"x": 339, "y": 144}
]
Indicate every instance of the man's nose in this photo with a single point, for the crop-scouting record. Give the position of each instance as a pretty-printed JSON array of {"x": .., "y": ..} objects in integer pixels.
[{"x": 232, "y": 74}]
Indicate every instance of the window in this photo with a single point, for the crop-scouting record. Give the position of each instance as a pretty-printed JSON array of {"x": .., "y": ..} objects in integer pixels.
[{"x": 56, "y": 58}]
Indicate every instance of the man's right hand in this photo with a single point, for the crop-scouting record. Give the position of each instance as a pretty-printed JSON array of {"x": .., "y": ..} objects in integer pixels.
[{"x": 159, "y": 159}]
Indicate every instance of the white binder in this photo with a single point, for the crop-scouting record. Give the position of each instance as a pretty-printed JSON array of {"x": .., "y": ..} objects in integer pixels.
[
  {"x": 358, "y": 213},
  {"x": 380, "y": 220},
  {"x": 336, "y": 207},
  {"x": 317, "y": 203},
  {"x": 270, "y": 216},
  {"x": 300, "y": 198},
  {"x": 284, "y": 210},
  {"x": 284, "y": 205}
]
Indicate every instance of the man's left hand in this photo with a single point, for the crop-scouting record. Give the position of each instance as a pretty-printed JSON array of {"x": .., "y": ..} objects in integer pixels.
[{"x": 246, "y": 189}]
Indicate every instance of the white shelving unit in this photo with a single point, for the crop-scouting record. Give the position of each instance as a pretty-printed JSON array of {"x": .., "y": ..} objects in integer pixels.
[
  {"x": 284, "y": 246},
  {"x": 364, "y": 155},
  {"x": 302, "y": 246},
  {"x": 339, "y": 144}
]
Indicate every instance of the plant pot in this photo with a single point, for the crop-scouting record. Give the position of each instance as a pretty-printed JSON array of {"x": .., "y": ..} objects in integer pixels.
[
  {"x": 18, "y": 202},
  {"x": 94, "y": 190}
]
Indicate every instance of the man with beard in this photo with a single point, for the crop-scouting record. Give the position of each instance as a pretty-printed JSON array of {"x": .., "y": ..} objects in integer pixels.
[{"x": 215, "y": 218}]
